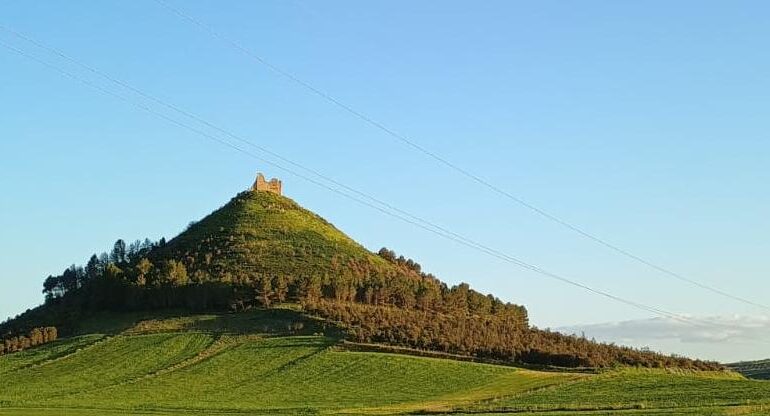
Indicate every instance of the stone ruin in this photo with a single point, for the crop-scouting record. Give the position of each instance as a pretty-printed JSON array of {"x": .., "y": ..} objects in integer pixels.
[{"x": 262, "y": 185}]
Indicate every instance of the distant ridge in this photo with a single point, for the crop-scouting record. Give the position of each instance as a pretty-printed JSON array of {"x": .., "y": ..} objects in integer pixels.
[{"x": 759, "y": 370}]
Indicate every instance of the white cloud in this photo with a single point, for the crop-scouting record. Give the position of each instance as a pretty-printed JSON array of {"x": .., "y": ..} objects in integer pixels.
[{"x": 716, "y": 337}]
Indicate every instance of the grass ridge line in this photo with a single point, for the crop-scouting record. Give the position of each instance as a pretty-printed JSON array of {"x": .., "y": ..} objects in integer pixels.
[
  {"x": 217, "y": 346},
  {"x": 67, "y": 355}
]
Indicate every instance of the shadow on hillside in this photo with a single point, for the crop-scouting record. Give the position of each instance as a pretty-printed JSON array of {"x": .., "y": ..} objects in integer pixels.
[{"x": 275, "y": 322}]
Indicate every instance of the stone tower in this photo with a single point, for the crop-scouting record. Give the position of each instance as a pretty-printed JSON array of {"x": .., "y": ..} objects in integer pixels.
[{"x": 261, "y": 185}]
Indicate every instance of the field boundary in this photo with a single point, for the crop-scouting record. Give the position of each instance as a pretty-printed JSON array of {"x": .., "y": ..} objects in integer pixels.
[{"x": 392, "y": 349}]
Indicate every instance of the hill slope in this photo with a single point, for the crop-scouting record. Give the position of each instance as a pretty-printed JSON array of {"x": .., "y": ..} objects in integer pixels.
[
  {"x": 260, "y": 249},
  {"x": 215, "y": 362},
  {"x": 263, "y": 233},
  {"x": 264, "y": 362}
]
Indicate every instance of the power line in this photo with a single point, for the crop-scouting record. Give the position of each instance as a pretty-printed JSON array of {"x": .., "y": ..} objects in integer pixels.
[
  {"x": 405, "y": 216},
  {"x": 423, "y": 224},
  {"x": 476, "y": 178}
]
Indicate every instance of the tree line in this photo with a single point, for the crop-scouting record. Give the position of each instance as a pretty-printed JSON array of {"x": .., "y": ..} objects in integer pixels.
[
  {"x": 391, "y": 302},
  {"x": 491, "y": 337},
  {"x": 146, "y": 275},
  {"x": 35, "y": 337}
]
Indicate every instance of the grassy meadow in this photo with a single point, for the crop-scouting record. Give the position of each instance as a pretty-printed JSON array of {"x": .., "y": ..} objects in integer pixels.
[{"x": 280, "y": 362}]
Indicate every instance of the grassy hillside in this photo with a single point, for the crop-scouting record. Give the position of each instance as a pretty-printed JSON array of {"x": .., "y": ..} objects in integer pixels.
[
  {"x": 112, "y": 361},
  {"x": 645, "y": 389},
  {"x": 213, "y": 362},
  {"x": 753, "y": 369},
  {"x": 52, "y": 351},
  {"x": 260, "y": 249},
  {"x": 260, "y": 232},
  {"x": 282, "y": 362}
]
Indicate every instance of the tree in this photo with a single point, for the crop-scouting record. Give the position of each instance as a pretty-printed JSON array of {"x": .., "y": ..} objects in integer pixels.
[
  {"x": 175, "y": 273},
  {"x": 280, "y": 288},
  {"x": 310, "y": 289},
  {"x": 200, "y": 276},
  {"x": 338, "y": 288},
  {"x": 51, "y": 287},
  {"x": 113, "y": 272},
  {"x": 50, "y": 333},
  {"x": 265, "y": 291},
  {"x": 386, "y": 254},
  {"x": 36, "y": 336},
  {"x": 134, "y": 250},
  {"x": 457, "y": 299},
  {"x": 69, "y": 279},
  {"x": 143, "y": 268},
  {"x": 479, "y": 304},
  {"x": 118, "y": 254},
  {"x": 103, "y": 260},
  {"x": 93, "y": 268},
  {"x": 80, "y": 276},
  {"x": 428, "y": 295},
  {"x": 413, "y": 265}
]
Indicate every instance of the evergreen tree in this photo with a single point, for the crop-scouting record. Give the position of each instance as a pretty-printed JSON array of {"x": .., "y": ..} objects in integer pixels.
[
  {"x": 93, "y": 268},
  {"x": 118, "y": 254}
]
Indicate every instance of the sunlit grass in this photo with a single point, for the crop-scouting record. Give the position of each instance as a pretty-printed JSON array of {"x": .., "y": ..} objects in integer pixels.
[
  {"x": 252, "y": 363},
  {"x": 645, "y": 389}
]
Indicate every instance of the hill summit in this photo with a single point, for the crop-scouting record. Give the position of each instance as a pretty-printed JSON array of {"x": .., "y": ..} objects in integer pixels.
[
  {"x": 263, "y": 250},
  {"x": 261, "y": 233}
]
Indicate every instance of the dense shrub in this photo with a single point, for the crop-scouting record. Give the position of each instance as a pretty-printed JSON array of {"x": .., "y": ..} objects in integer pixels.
[
  {"x": 35, "y": 337},
  {"x": 497, "y": 337}
]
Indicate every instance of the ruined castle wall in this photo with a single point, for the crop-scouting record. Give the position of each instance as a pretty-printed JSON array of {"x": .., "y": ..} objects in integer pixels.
[{"x": 261, "y": 185}]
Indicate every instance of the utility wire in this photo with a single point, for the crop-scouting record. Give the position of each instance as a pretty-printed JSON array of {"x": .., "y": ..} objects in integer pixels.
[
  {"x": 421, "y": 224},
  {"x": 405, "y": 216},
  {"x": 476, "y": 178}
]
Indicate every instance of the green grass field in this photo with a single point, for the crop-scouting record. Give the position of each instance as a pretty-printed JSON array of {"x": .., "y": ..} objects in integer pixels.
[
  {"x": 36, "y": 356},
  {"x": 253, "y": 363},
  {"x": 645, "y": 389}
]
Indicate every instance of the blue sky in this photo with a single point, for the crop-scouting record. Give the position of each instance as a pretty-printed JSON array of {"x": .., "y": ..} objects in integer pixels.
[{"x": 644, "y": 123}]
